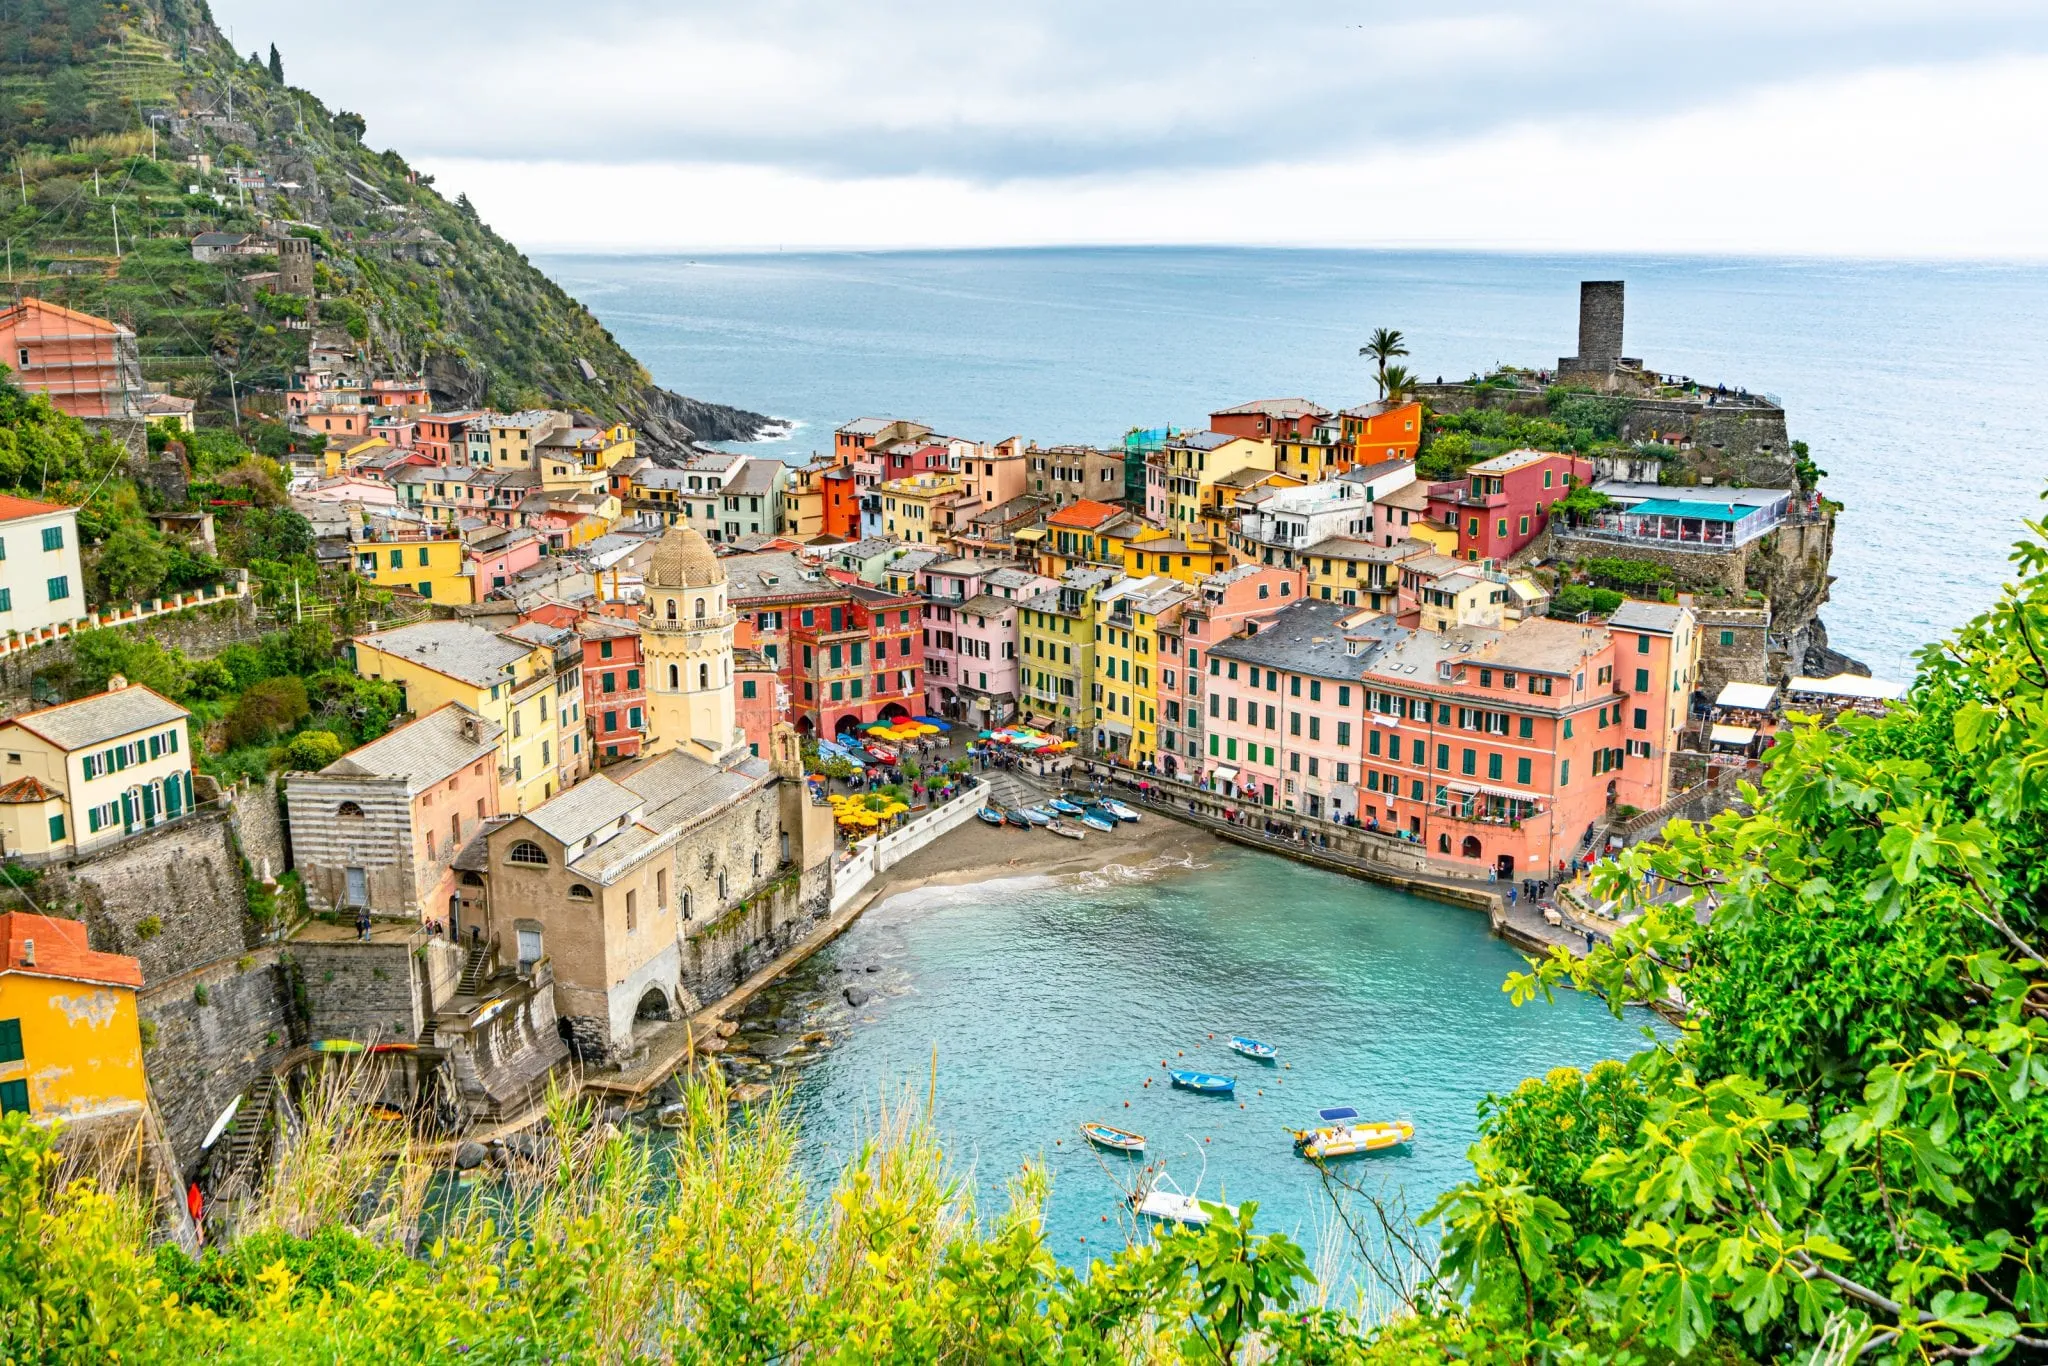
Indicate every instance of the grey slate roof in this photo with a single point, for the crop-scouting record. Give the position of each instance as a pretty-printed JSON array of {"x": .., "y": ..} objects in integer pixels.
[
  {"x": 455, "y": 648},
  {"x": 1646, "y": 616},
  {"x": 1307, "y": 639},
  {"x": 585, "y": 809},
  {"x": 748, "y": 577},
  {"x": 425, "y": 751},
  {"x": 102, "y": 717}
]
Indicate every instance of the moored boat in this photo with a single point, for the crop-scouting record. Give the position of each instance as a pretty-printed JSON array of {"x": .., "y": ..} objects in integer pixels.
[
  {"x": 1098, "y": 822},
  {"x": 1208, "y": 1083},
  {"x": 1065, "y": 807},
  {"x": 1117, "y": 1140},
  {"x": 1119, "y": 810},
  {"x": 990, "y": 816},
  {"x": 1343, "y": 1134},
  {"x": 1036, "y": 816},
  {"x": 1252, "y": 1048},
  {"x": 1016, "y": 818},
  {"x": 1062, "y": 828},
  {"x": 1161, "y": 1199}
]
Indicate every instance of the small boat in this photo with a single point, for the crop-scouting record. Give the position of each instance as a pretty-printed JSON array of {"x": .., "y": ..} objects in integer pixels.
[
  {"x": 1016, "y": 818},
  {"x": 1161, "y": 1199},
  {"x": 220, "y": 1126},
  {"x": 1252, "y": 1048},
  {"x": 1342, "y": 1134},
  {"x": 1119, "y": 810},
  {"x": 394, "y": 1048},
  {"x": 1208, "y": 1083},
  {"x": 1117, "y": 1140},
  {"x": 1098, "y": 822},
  {"x": 1064, "y": 807},
  {"x": 1062, "y": 828},
  {"x": 337, "y": 1046},
  {"x": 1036, "y": 816},
  {"x": 990, "y": 816}
]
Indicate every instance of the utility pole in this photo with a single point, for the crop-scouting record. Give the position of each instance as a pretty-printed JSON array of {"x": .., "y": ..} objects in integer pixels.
[
  {"x": 95, "y": 182},
  {"x": 235, "y": 399},
  {"x": 24, "y": 181},
  {"x": 117, "y": 232}
]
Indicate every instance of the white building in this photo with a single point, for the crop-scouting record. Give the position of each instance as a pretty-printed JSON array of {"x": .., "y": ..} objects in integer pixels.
[
  {"x": 1296, "y": 518},
  {"x": 41, "y": 583},
  {"x": 82, "y": 774}
]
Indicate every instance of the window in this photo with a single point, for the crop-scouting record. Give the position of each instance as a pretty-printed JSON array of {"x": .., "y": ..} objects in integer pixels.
[
  {"x": 1468, "y": 762},
  {"x": 14, "y": 1095},
  {"x": 632, "y": 910},
  {"x": 604, "y": 649},
  {"x": 661, "y": 889},
  {"x": 1493, "y": 767},
  {"x": 1527, "y": 729},
  {"x": 56, "y": 828},
  {"x": 60, "y": 588},
  {"x": 1564, "y": 772},
  {"x": 349, "y": 810},
  {"x": 10, "y": 1041},
  {"x": 1642, "y": 719},
  {"x": 1443, "y": 756},
  {"x": 747, "y": 688},
  {"x": 1522, "y": 771},
  {"x": 1642, "y": 680},
  {"x": 1727, "y": 637},
  {"x": 1642, "y": 645},
  {"x": 53, "y": 538},
  {"x": 633, "y": 680},
  {"x": 675, "y": 678},
  {"x": 6, "y": 599},
  {"x": 526, "y": 851}
]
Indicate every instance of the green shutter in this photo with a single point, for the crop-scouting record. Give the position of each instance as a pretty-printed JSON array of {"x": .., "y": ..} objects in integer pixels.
[
  {"x": 57, "y": 827},
  {"x": 10, "y": 1041}
]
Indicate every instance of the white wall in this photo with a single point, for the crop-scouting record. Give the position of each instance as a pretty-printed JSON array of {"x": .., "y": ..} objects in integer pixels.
[{"x": 881, "y": 852}]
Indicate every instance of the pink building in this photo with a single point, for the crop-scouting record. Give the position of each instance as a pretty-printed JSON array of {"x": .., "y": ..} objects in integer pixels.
[
  {"x": 497, "y": 556},
  {"x": 1504, "y": 503},
  {"x": 1251, "y": 595},
  {"x": 970, "y": 637}
]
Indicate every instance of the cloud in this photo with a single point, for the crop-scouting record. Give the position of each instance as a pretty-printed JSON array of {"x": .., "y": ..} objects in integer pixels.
[{"x": 1910, "y": 161}]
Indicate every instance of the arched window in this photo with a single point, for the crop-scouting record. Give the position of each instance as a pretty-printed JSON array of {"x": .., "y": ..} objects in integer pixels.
[
  {"x": 579, "y": 892},
  {"x": 700, "y": 609},
  {"x": 671, "y": 609},
  {"x": 526, "y": 851},
  {"x": 1443, "y": 844},
  {"x": 675, "y": 678},
  {"x": 686, "y": 904},
  {"x": 757, "y": 863},
  {"x": 721, "y": 886},
  {"x": 703, "y": 675},
  {"x": 349, "y": 809}
]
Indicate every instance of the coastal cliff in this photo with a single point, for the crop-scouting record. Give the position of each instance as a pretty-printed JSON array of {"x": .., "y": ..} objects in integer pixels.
[{"x": 136, "y": 127}]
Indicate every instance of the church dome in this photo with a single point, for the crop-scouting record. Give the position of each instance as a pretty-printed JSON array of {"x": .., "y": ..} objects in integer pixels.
[{"x": 682, "y": 558}]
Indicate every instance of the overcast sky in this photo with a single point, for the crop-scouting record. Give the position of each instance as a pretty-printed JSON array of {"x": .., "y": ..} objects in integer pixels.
[{"x": 1878, "y": 127}]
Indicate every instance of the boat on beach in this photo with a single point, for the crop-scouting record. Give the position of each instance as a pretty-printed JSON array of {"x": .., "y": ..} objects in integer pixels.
[
  {"x": 1065, "y": 807},
  {"x": 990, "y": 816},
  {"x": 1096, "y": 821},
  {"x": 1116, "y": 1140},
  {"x": 1036, "y": 816},
  {"x": 1016, "y": 818},
  {"x": 1059, "y": 827},
  {"x": 1343, "y": 1134},
  {"x": 1119, "y": 810},
  {"x": 1252, "y": 1048},
  {"x": 1208, "y": 1083}
]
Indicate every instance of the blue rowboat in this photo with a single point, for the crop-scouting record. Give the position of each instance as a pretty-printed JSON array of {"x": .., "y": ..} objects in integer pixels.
[
  {"x": 1096, "y": 821},
  {"x": 1116, "y": 1140},
  {"x": 990, "y": 816},
  {"x": 1064, "y": 807},
  {"x": 1035, "y": 816},
  {"x": 1118, "y": 809},
  {"x": 1208, "y": 1083},
  {"x": 1016, "y": 818},
  {"x": 1252, "y": 1048}
]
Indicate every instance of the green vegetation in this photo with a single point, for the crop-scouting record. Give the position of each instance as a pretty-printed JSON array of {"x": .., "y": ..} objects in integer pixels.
[
  {"x": 1574, "y": 600},
  {"x": 1639, "y": 578},
  {"x": 1566, "y": 419},
  {"x": 419, "y": 281},
  {"x": 1841, "y": 1156},
  {"x": 1384, "y": 344}
]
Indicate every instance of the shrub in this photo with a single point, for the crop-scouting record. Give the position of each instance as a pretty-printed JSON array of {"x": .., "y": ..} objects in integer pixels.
[
  {"x": 131, "y": 566},
  {"x": 267, "y": 709},
  {"x": 149, "y": 927},
  {"x": 1630, "y": 576},
  {"x": 1575, "y": 600},
  {"x": 313, "y": 750}
]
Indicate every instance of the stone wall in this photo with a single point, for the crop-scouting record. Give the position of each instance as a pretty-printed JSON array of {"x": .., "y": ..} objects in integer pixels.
[
  {"x": 723, "y": 954},
  {"x": 1745, "y": 658},
  {"x": 258, "y": 821},
  {"x": 184, "y": 876},
  {"x": 201, "y": 632},
  {"x": 199, "y": 1054},
  {"x": 375, "y": 991},
  {"x": 1692, "y": 568}
]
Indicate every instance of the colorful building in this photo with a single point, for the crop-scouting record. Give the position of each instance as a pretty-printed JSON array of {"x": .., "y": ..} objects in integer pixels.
[
  {"x": 1245, "y": 598},
  {"x": 86, "y": 366},
  {"x": 1502, "y": 504},
  {"x": 1270, "y": 419},
  {"x": 1180, "y": 477},
  {"x": 1189, "y": 558},
  {"x": 614, "y": 687},
  {"x": 1128, "y": 617},
  {"x": 1382, "y": 431},
  {"x": 70, "y": 1043},
  {"x": 1086, "y": 534},
  {"x": 41, "y": 582},
  {"x": 434, "y": 565},
  {"x": 918, "y": 509},
  {"x": 82, "y": 775},
  {"x": 848, "y": 653},
  {"x": 1056, "y": 648}
]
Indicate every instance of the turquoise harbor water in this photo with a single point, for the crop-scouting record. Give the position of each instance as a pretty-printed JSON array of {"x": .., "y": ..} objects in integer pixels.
[
  {"x": 1915, "y": 383},
  {"x": 1044, "y": 1003}
]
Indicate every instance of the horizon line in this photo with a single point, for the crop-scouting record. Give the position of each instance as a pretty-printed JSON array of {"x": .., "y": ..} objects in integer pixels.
[{"x": 1436, "y": 249}]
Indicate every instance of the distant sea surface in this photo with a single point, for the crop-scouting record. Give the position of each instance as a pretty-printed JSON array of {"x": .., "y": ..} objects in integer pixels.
[{"x": 1918, "y": 386}]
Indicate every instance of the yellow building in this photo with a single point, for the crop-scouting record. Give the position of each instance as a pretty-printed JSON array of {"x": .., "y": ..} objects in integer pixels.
[
  {"x": 1056, "y": 641},
  {"x": 434, "y": 569},
  {"x": 1317, "y": 452},
  {"x": 1359, "y": 573},
  {"x": 508, "y": 682},
  {"x": 919, "y": 509},
  {"x": 1219, "y": 499},
  {"x": 1086, "y": 534},
  {"x": 70, "y": 1047},
  {"x": 803, "y": 500},
  {"x": 1189, "y": 558},
  {"x": 1180, "y": 477},
  {"x": 82, "y": 774},
  {"x": 507, "y": 440},
  {"x": 1127, "y": 618}
]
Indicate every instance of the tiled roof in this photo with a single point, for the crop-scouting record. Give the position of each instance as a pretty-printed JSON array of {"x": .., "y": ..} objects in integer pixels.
[
  {"x": 25, "y": 790},
  {"x": 1309, "y": 638},
  {"x": 13, "y": 509},
  {"x": 425, "y": 751},
  {"x": 1085, "y": 513},
  {"x": 585, "y": 809},
  {"x": 102, "y": 717},
  {"x": 454, "y": 648},
  {"x": 1274, "y": 407},
  {"x": 48, "y": 947}
]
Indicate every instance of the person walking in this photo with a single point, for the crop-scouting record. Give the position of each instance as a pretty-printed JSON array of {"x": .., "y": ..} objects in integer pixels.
[{"x": 363, "y": 923}]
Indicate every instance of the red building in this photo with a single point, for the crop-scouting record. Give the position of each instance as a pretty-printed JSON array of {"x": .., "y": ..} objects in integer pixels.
[
  {"x": 1270, "y": 419},
  {"x": 841, "y": 487},
  {"x": 1504, "y": 503},
  {"x": 848, "y": 654},
  {"x": 614, "y": 687},
  {"x": 444, "y": 437}
]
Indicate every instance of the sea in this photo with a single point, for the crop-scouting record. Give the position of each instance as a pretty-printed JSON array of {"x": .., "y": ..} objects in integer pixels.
[{"x": 1915, "y": 384}]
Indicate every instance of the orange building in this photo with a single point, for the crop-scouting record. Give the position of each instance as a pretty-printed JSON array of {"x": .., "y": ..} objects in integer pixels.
[
  {"x": 1382, "y": 431},
  {"x": 88, "y": 366}
]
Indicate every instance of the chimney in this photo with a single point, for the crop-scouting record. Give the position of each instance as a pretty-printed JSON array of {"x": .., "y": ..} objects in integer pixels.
[
  {"x": 115, "y": 682},
  {"x": 28, "y": 953}
]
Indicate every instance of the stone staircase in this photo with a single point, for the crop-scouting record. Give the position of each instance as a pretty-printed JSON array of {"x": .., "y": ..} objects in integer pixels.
[
  {"x": 247, "y": 1139},
  {"x": 476, "y": 970},
  {"x": 1006, "y": 788}
]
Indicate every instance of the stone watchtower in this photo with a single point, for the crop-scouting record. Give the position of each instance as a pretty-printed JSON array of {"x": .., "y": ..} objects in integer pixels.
[
  {"x": 686, "y": 638},
  {"x": 1599, "y": 361},
  {"x": 295, "y": 266}
]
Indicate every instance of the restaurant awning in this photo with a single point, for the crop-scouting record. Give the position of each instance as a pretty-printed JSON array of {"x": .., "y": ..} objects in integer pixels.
[
  {"x": 1747, "y": 696},
  {"x": 1031, "y": 533},
  {"x": 1224, "y": 775},
  {"x": 1512, "y": 794},
  {"x": 1732, "y": 735}
]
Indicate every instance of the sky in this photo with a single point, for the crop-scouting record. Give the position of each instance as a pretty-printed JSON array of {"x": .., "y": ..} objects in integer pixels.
[{"x": 1885, "y": 128}]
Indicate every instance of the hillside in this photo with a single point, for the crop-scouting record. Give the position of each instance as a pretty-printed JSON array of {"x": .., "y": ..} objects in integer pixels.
[{"x": 139, "y": 120}]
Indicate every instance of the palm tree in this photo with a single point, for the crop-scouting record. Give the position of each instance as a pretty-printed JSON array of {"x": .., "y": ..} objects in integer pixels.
[
  {"x": 1386, "y": 343},
  {"x": 1396, "y": 384}
]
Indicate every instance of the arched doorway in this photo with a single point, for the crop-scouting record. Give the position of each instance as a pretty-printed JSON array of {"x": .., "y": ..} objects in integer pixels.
[
  {"x": 1443, "y": 842},
  {"x": 848, "y": 722},
  {"x": 1469, "y": 847},
  {"x": 895, "y": 711},
  {"x": 805, "y": 725},
  {"x": 654, "y": 1005},
  {"x": 1506, "y": 865}
]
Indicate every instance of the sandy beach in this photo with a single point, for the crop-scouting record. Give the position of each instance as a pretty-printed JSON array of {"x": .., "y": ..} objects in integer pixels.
[{"x": 980, "y": 853}]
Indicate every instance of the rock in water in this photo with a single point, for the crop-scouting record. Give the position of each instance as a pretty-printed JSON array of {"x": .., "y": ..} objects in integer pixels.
[
  {"x": 469, "y": 1155},
  {"x": 728, "y": 1028},
  {"x": 856, "y": 996},
  {"x": 746, "y": 1095}
]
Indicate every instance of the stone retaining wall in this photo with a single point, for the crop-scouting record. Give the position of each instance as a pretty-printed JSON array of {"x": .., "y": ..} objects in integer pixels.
[
  {"x": 199, "y": 1054},
  {"x": 172, "y": 897}
]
